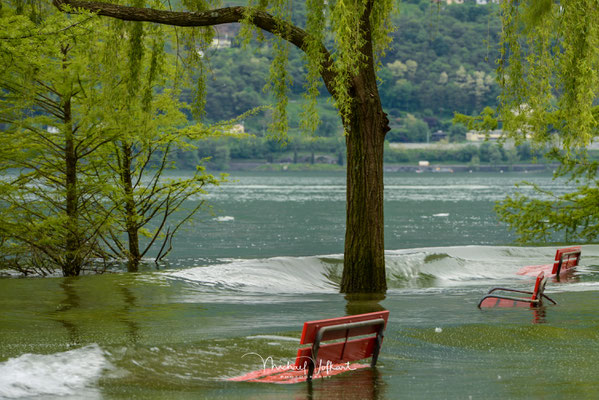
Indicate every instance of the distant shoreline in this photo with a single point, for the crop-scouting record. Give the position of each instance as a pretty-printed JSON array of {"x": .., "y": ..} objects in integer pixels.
[{"x": 391, "y": 167}]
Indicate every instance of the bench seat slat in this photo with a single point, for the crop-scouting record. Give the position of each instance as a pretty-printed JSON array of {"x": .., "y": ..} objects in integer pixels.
[{"x": 352, "y": 332}]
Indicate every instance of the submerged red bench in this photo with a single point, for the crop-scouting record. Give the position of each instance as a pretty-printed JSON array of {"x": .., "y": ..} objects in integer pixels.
[
  {"x": 499, "y": 300},
  {"x": 327, "y": 359},
  {"x": 565, "y": 259}
]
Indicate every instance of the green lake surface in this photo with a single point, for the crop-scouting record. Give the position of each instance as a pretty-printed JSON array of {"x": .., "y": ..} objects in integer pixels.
[{"x": 241, "y": 281}]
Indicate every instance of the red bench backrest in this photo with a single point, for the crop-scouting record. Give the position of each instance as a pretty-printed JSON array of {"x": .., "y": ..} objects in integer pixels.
[
  {"x": 568, "y": 257},
  {"x": 344, "y": 351}
]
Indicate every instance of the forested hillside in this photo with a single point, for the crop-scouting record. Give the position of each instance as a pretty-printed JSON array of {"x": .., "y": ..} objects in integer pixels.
[{"x": 441, "y": 61}]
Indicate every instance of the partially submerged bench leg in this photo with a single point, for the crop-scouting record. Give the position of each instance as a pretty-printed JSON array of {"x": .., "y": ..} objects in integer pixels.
[
  {"x": 377, "y": 346},
  {"x": 310, "y": 368}
]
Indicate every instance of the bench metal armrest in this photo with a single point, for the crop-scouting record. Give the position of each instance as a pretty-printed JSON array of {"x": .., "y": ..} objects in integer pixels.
[
  {"x": 495, "y": 296},
  {"x": 509, "y": 290}
]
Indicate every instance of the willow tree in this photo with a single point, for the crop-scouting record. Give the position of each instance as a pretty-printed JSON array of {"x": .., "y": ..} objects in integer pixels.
[
  {"x": 356, "y": 33},
  {"x": 549, "y": 74}
]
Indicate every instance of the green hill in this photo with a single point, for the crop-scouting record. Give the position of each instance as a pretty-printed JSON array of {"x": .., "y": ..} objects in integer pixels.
[{"x": 441, "y": 61}]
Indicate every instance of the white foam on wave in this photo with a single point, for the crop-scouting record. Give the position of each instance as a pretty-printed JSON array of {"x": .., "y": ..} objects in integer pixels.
[
  {"x": 70, "y": 373},
  {"x": 409, "y": 268},
  {"x": 224, "y": 218},
  {"x": 273, "y": 337},
  {"x": 285, "y": 275},
  {"x": 450, "y": 266},
  {"x": 573, "y": 287},
  {"x": 419, "y": 269}
]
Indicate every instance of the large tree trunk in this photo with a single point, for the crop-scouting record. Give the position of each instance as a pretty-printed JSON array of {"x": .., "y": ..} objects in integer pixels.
[
  {"x": 364, "y": 260},
  {"x": 364, "y": 255},
  {"x": 366, "y": 126}
]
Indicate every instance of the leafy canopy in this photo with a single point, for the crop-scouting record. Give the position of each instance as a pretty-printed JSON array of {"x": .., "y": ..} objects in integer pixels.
[{"x": 548, "y": 73}]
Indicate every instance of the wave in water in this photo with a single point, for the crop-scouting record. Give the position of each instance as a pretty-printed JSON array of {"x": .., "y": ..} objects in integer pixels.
[
  {"x": 411, "y": 268},
  {"x": 70, "y": 373},
  {"x": 270, "y": 275}
]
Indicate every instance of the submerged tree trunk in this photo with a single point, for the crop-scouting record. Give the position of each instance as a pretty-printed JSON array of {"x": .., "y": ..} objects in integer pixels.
[
  {"x": 364, "y": 258},
  {"x": 72, "y": 261},
  {"x": 133, "y": 256}
]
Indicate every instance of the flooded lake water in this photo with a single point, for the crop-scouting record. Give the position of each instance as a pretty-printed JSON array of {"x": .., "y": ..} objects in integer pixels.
[{"x": 242, "y": 280}]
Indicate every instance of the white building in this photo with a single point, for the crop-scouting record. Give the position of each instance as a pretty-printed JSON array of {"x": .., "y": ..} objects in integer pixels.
[
  {"x": 221, "y": 43},
  {"x": 478, "y": 136}
]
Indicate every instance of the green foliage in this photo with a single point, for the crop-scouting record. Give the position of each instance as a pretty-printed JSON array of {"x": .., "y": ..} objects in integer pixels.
[
  {"x": 488, "y": 153},
  {"x": 547, "y": 70},
  {"x": 548, "y": 73},
  {"x": 540, "y": 218},
  {"x": 461, "y": 78},
  {"x": 313, "y": 59},
  {"x": 92, "y": 128},
  {"x": 411, "y": 129},
  {"x": 191, "y": 45},
  {"x": 341, "y": 26},
  {"x": 151, "y": 130},
  {"x": 300, "y": 149},
  {"x": 453, "y": 48},
  {"x": 457, "y": 132}
]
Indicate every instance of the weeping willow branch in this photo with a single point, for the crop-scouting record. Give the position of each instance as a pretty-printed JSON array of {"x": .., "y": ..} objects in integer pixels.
[{"x": 261, "y": 19}]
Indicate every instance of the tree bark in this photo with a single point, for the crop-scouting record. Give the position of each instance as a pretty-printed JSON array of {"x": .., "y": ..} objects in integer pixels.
[
  {"x": 131, "y": 217},
  {"x": 72, "y": 262},
  {"x": 364, "y": 255}
]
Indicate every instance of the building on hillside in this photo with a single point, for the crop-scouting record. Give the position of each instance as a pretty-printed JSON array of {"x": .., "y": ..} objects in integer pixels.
[
  {"x": 438, "y": 136},
  {"x": 221, "y": 43},
  {"x": 237, "y": 129},
  {"x": 478, "y": 136},
  {"x": 478, "y": 2}
]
